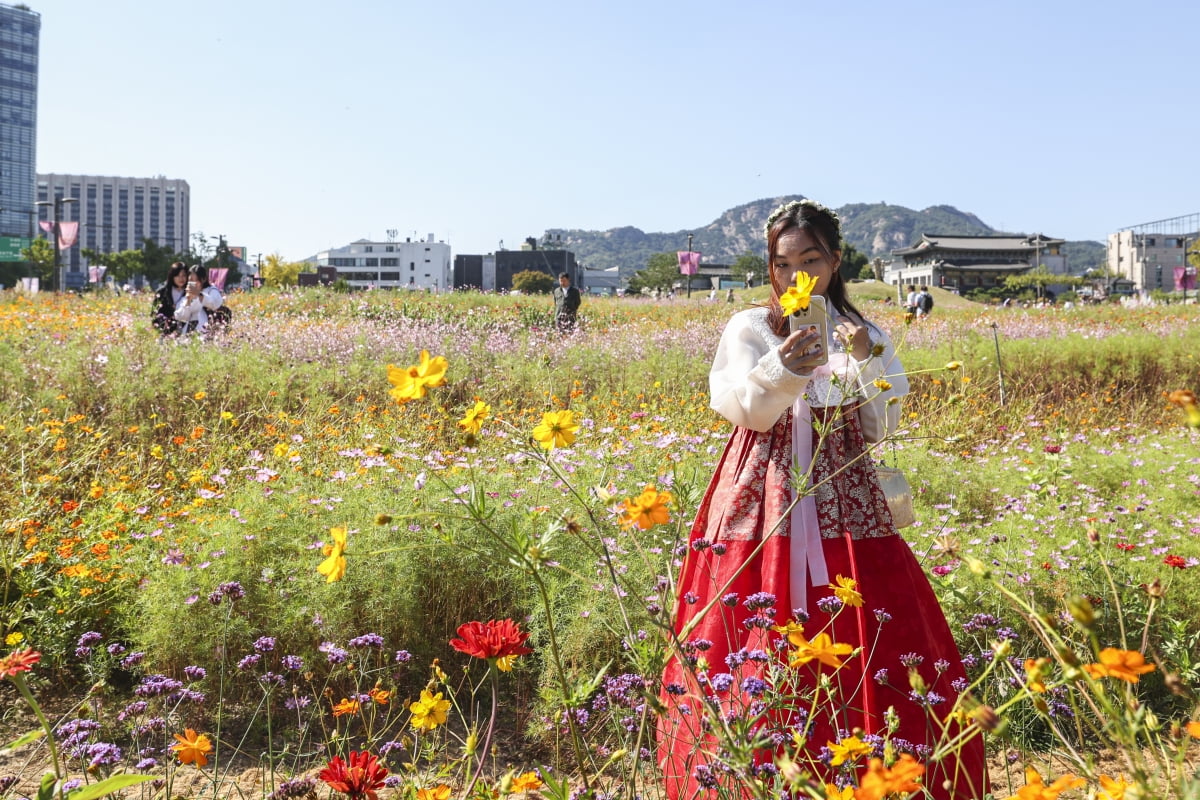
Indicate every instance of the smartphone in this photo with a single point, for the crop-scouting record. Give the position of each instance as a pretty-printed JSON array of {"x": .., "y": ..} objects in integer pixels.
[{"x": 814, "y": 316}]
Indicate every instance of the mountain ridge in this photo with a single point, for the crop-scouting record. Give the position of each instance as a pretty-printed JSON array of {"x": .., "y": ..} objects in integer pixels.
[{"x": 874, "y": 229}]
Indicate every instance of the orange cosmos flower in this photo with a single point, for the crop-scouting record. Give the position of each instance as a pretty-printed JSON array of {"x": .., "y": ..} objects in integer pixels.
[
  {"x": 1193, "y": 729},
  {"x": 192, "y": 748},
  {"x": 346, "y": 707},
  {"x": 439, "y": 792},
  {"x": 380, "y": 696},
  {"x": 1112, "y": 788},
  {"x": 1125, "y": 665},
  {"x": 527, "y": 782},
  {"x": 879, "y": 781},
  {"x": 1035, "y": 787},
  {"x": 648, "y": 509}
]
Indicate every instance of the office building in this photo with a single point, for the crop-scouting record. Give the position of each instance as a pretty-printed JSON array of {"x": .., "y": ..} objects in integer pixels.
[
  {"x": 365, "y": 264},
  {"x": 116, "y": 214},
  {"x": 19, "y": 29}
]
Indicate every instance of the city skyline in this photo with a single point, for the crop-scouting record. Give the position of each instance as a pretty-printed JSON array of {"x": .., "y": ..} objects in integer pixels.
[{"x": 303, "y": 127}]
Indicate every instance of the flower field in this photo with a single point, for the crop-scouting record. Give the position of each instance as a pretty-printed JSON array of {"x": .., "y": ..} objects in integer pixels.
[{"x": 407, "y": 545}]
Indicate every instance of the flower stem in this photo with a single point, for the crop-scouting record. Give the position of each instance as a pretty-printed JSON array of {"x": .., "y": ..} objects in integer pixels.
[{"x": 19, "y": 681}]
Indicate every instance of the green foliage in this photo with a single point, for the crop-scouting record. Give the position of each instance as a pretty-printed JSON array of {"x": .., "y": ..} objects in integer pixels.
[
  {"x": 40, "y": 255},
  {"x": 748, "y": 263},
  {"x": 122, "y": 266},
  {"x": 661, "y": 272},
  {"x": 854, "y": 263},
  {"x": 533, "y": 282}
]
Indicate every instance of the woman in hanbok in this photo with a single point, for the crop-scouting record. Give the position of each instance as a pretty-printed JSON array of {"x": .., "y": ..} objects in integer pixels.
[{"x": 802, "y": 621}]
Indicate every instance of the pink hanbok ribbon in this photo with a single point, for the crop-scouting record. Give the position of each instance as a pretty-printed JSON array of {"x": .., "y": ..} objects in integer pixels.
[{"x": 807, "y": 556}]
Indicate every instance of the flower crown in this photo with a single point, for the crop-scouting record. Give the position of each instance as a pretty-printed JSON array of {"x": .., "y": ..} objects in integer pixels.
[{"x": 788, "y": 208}]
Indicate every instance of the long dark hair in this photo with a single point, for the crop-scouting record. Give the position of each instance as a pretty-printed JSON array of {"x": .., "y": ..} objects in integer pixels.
[
  {"x": 826, "y": 232},
  {"x": 200, "y": 273},
  {"x": 178, "y": 268}
]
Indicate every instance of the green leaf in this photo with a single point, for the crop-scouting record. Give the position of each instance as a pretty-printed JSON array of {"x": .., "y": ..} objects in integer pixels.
[
  {"x": 46, "y": 790},
  {"x": 107, "y": 786},
  {"x": 23, "y": 740}
]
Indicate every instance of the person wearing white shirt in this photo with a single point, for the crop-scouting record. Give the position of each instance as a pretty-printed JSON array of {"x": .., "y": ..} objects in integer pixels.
[{"x": 200, "y": 302}]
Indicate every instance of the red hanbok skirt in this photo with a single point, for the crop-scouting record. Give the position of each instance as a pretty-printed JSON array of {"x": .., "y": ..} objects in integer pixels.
[{"x": 740, "y": 550}]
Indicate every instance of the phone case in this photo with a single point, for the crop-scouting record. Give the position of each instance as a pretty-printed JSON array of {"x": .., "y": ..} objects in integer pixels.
[{"x": 814, "y": 316}]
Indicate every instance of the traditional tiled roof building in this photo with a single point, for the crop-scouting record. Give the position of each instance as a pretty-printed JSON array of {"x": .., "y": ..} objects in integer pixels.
[{"x": 970, "y": 262}]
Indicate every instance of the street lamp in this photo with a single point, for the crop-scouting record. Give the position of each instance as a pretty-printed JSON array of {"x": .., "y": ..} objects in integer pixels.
[{"x": 57, "y": 202}]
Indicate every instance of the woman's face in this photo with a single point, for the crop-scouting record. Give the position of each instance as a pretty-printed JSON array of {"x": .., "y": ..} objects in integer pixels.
[
  {"x": 797, "y": 251},
  {"x": 180, "y": 279}
]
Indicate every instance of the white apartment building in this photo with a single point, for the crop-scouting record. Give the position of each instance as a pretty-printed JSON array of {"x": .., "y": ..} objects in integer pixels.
[
  {"x": 1153, "y": 254},
  {"x": 423, "y": 265},
  {"x": 116, "y": 214}
]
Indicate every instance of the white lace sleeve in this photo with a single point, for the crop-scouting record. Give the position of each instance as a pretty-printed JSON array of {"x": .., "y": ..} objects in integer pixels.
[
  {"x": 879, "y": 414},
  {"x": 748, "y": 383}
]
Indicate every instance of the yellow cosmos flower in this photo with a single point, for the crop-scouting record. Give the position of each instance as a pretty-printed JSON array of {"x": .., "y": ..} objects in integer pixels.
[
  {"x": 1125, "y": 665},
  {"x": 527, "y": 782},
  {"x": 472, "y": 423},
  {"x": 796, "y": 297},
  {"x": 846, "y": 590},
  {"x": 557, "y": 429},
  {"x": 850, "y": 749},
  {"x": 882, "y": 385},
  {"x": 833, "y": 792},
  {"x": 334, "y": 566},
  {"x": 953, "y": 365},
  {"x": 192, "y": 748},
  {"x": 821, "y": 649},
  {"x": 439, "y": 792},
  {"x": 789, "y": 629},
  {"x": 410, "y": 383},
  {"x": 14, "y": 638},
  {"x": 1035, "y": 787},
  {"x": 429, "y": 711},
  {"x": 648, "y": 509},
  {"x": 1112, "y": 788}
]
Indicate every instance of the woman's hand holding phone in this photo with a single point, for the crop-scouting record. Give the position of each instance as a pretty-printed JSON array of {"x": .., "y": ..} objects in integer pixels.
[{"x": 803, "y": 350}]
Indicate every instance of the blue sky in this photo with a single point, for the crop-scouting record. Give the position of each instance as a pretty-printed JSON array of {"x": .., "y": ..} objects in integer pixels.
[{"x": 305, "y": 125}]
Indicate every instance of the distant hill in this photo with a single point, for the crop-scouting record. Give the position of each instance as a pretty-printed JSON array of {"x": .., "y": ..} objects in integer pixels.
[{"x": 875, "y": 229}]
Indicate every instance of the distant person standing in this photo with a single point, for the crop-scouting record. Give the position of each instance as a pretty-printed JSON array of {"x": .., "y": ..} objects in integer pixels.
[
  {"x": 924, "y": 302},
  {"x": 910, "y": 302},
  {"x": 566, "y": 304}
]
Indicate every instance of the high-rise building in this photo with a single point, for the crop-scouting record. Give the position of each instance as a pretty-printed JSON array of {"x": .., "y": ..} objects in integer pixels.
[
  {"x": 116, "y": 214},
  {"x": 19, "y": 28}
]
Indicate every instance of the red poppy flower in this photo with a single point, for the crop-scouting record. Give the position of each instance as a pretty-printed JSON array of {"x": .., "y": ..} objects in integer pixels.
[
  {"x": 18, "y": 661},
  {"x": 1126, "y": 546},
  {"x": 493, "y": 639},
  {"x": 1178, "y": 562},
  {"x": 360, "y": 778}
]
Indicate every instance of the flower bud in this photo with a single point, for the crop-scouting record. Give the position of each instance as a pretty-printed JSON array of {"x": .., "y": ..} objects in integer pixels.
[{"x": 1081, "y": 611}]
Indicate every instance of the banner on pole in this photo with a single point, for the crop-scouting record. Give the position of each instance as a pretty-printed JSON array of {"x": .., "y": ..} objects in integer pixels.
[{"x": 689, "y": 262}]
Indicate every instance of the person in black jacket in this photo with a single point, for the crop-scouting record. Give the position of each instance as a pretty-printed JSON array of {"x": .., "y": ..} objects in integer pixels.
[
  {"x": 162, "y": 315},
  {"x": 566, "y": 304}
]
